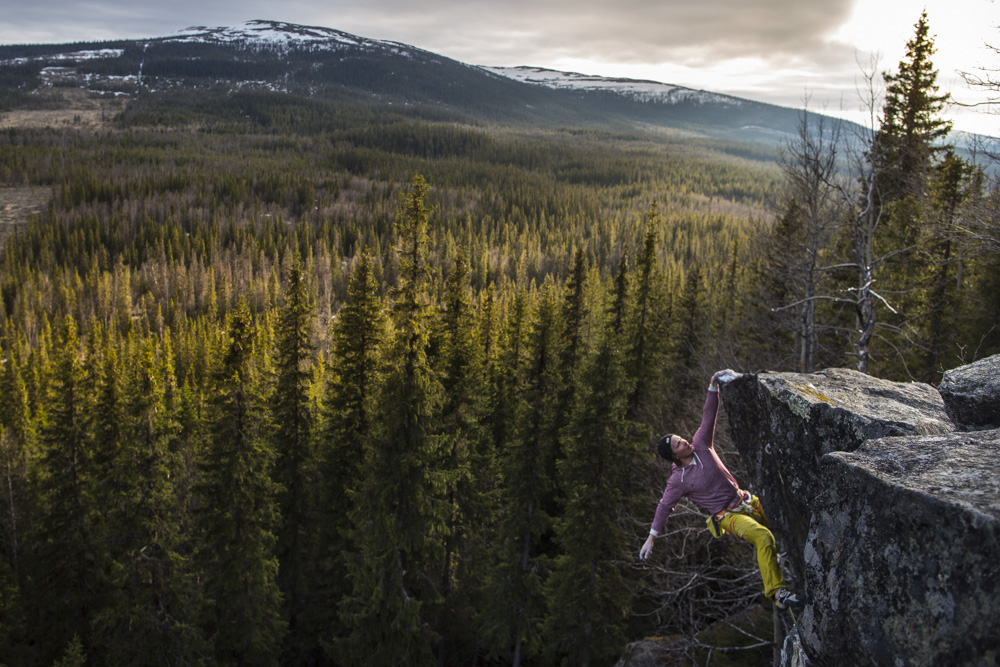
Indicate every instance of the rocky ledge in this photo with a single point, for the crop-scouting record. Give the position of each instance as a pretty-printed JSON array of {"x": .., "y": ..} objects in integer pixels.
[
  {"x": 901, "y": 557},
  {"x": 886, "y": 497}
]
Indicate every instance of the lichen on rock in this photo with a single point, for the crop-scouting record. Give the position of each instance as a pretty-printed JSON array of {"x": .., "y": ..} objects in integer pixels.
[
  {"x": 913, "y": 575},
  {"x": 886, "y": 497}
]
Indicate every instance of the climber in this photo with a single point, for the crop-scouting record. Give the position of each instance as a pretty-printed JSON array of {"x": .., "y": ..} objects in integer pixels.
[{"x": 699, "y": 474}]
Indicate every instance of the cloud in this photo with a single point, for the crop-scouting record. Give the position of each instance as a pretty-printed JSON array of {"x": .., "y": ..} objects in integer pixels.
[
  {"x": 629, "y": 31},
  {"x": 772, "y": 50}
]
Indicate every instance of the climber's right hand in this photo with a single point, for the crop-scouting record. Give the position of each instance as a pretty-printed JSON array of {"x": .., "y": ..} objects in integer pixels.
[{"x": 647, "y": 548}]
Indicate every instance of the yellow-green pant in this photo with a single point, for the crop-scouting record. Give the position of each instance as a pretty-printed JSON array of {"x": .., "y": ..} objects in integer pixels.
[{"x": 754, "y": 528}]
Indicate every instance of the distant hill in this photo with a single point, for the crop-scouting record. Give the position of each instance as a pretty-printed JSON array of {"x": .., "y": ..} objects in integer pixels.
[{"x": 329, "y": 64}]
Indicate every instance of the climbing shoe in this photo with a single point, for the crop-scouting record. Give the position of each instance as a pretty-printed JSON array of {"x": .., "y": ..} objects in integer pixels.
[{"x": 785, "y": 599}]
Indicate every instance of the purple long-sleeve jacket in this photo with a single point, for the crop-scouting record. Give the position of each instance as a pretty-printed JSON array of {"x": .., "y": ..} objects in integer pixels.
[{"x": 706, "y": 480}]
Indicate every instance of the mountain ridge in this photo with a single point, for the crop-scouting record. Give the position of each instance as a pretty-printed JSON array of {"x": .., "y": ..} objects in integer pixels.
[{"x": 328, "y": 63}]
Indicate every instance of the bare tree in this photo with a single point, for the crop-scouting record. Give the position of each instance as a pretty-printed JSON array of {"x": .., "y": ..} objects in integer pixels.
[
  {"x": 833, "y": 181},
  {"x": 812, "y": 212},
  {"x": 988, "y": 80},
  {"x": 859, "y": 190}
]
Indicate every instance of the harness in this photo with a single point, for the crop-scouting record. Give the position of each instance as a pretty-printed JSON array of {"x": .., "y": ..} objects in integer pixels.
[{"x": 739, "y": 505}]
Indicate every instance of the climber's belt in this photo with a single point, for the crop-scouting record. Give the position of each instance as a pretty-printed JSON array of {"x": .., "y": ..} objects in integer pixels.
[{"x": 740, "y": 505}]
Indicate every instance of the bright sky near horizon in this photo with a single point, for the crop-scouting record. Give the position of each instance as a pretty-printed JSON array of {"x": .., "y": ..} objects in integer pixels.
[{"x": 778, "y": 51}]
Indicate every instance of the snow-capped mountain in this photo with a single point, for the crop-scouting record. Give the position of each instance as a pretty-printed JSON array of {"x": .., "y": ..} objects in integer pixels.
[
  {"x": 636, "y": 90},
  {"x": 330, "y": 64},
  {"x": 278, "y": 36}
]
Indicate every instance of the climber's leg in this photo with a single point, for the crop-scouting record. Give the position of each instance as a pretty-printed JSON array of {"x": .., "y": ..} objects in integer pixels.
[{"x": 749, "y": 529}]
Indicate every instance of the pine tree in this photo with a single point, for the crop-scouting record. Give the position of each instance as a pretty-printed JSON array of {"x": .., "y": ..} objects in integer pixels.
[
  {"x": 154, "y": 611},
  {"x": 295, "y": 469},
  {"x": 686, "y": 344},
  {"x": 911, "y": 124},
  {"x": 575, "y": 314},
  {"x": 943, "y": 303},
  {"x": 646, "y": 331},
  {"x": 588, "y": 593},
  {"x": 239, "y": 516},
  {"x": 67, "y": 589},
  {"x": 515, "y": 589},
  {"x": 505, "y": 376},
  {"x": 467, "y": 465},
  {"x": 16, "y": 456},
  {"x": 398, "y": 519},
  {"x": 905, "y": 152},
  {"x": 574, "y": 319},
  {"x": 353, "y": 385}
]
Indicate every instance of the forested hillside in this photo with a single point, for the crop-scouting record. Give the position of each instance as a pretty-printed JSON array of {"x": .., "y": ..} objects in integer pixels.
[{"x": 296, "y": 381}]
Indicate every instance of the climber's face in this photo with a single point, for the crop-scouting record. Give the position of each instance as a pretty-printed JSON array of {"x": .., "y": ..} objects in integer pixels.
[{"x": 681, "y": 448}]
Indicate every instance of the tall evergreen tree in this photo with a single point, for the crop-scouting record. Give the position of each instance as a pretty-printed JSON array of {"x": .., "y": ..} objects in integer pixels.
[
  {"x": 574, "y": 320},
  {"x": 911, "y": 124},
  {"x": 16, "y": 456},
  {"x": 646, "y": 331},
  {"x": 154, "y": 610},
  {"x": 238, "y": 513},
  {"x": 906, "y": 149},
  {"x": 588, "y": 593},
  {"x": 515, "y": 589},
  {"x": 398, "y": 519},
  {"x": 505, "y": 371},
  {"x": 466, "y": 467},
  {"x": 352, "y": 388},
  {"x": 686, "y": 336},
  {"x": 67, "y": 588},
  {"x": 295, "y": 469},
  {"x": 943, "y": 304}
]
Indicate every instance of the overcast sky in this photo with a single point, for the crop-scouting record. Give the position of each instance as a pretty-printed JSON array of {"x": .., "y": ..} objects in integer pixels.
[{"x": 779, "y": 51}]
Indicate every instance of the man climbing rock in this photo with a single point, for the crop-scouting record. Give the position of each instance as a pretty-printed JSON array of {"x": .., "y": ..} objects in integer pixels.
[{"x": 699, "y": 474}]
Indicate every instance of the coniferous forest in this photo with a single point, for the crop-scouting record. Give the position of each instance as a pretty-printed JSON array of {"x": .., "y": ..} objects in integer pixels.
[{"x": 307, "y": 382}]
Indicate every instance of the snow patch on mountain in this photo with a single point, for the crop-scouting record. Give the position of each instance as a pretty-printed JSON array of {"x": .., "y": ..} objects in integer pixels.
[
  {"x": 75, "y": 56},
  {"x": 271, "y": 33},
  {"x": 279, "y": 36},
  {"x": 636, "y": 90}
]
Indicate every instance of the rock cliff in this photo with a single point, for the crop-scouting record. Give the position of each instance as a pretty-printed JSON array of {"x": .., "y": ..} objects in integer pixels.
[
  {"x": 783, "y": 423},
  {"x": 886, "y": 498}
]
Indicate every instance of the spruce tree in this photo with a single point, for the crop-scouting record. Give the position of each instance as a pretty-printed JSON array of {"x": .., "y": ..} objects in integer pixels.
[
  {"x": 353, "y": 386},
  {"x": 67, "y": 587},
  {"x": 17, "y": 452},
  {"x": 466, "y": 466},
  {"x": 295, "y": 469},
  {"x": 515, "y": 589},
  {"x": 398, "y": 518},
  {"x": 911, "y": 124},
  {"x": 574, "y": 320},
  {"x": 505, "y": 371},
  {"x": 154, "y": 610},
  {"x": 686, "y": 333},
  {"x": 12, "y": 613},
  {"x": 943, "y": 302},
  {"x": 17, "y": 455},
  {"x": 646, "y": 331},
  {"x": 906, "y": 149},
  {"x": 238, "y": 513},
  {"x": 588, "y": 593}
]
